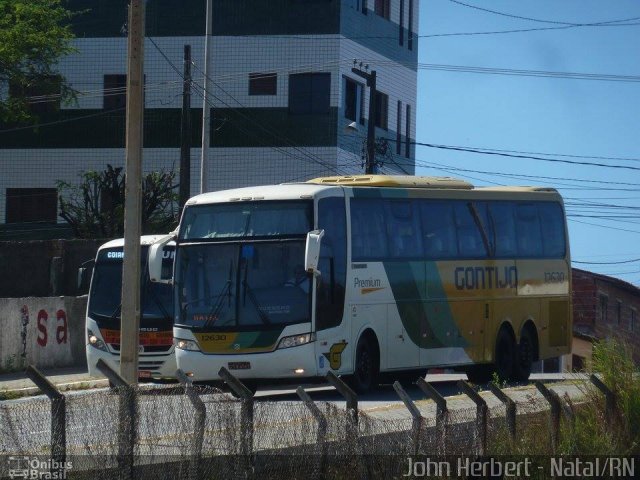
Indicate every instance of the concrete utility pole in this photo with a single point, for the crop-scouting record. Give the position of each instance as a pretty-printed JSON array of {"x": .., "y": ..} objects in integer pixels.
[
  {"x": 185, "y": 132},
  {"x": 370, "y": 166},
  {"x": 206, "y": 109},
  {"x": 130, "y": 314}
]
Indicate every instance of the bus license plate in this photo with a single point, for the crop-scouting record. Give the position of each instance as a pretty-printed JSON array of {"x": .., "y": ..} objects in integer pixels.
[
  {"x": 144, "y": 374},
  {"x": 239, "y": 365}
]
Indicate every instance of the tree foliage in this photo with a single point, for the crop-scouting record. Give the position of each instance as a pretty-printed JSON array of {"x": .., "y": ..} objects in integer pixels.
[
  {"x": 95, "y": 207},
  {"x": 34, "y": 34}
]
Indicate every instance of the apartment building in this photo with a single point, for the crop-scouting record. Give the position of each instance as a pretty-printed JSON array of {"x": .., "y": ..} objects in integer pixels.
[{"x": 285, "y": 102}]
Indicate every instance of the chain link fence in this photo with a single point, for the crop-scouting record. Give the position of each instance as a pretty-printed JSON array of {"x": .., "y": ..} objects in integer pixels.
[{"x": 184, "y": 431}]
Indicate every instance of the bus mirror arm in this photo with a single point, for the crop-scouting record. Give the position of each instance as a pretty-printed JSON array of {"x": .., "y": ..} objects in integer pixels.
[
  {"x": 155, "y": 259},
  {"x": 312, "y": 251}
]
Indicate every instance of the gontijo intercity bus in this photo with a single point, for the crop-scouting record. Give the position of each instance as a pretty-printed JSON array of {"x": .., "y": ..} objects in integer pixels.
[
  {"x": 370, "y": 274},
  {"x": 156, "y": 357}
]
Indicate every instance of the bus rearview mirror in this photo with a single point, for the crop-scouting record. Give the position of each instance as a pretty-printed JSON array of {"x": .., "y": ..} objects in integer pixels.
[
  {"x": 156, "y": 252},
  {"x": 312, "y": 251}
]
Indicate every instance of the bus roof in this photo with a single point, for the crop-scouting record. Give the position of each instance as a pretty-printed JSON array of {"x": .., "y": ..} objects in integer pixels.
[
  {"x": 402, "y": 181},
  {"x": 311, "y": 188},
  {"x": 119, "y": 242}
]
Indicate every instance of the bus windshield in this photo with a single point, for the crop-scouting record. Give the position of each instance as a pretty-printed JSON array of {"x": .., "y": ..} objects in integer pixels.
[
  {"x": 156, "y": 300},
  {"x": 247, "y": 219},
  {"x": 242, "y": 285}
]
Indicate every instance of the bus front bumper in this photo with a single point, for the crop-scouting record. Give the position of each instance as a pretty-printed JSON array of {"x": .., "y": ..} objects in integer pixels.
[
  {"x": 153, "y": 367},
  {"x": 286, "y": 363}
]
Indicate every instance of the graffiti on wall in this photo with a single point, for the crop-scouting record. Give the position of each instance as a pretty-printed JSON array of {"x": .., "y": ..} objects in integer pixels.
[
  {"x": 59, "y": 324},
  {"x": 24, "y": 313}
]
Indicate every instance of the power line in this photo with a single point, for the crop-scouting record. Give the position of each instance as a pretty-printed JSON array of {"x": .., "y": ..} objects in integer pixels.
[
  {"x": 555, "y": 22},
  {"x": 633, "y": 260},
  {"x": 531, "y": 157}
]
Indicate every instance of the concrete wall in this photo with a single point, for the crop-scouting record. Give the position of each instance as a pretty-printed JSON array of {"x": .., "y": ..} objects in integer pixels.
[{"x": 45, "y": 332}]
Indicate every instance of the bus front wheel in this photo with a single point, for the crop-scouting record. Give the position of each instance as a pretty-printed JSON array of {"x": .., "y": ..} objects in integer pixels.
[{"x": 365, "y": 375}]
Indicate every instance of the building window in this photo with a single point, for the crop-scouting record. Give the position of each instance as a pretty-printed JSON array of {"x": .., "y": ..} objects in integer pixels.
[
  {"x": 364, "y": 6},
  {"x": 354, "y": 100},
  {"x": 619, "y": 312},
  {"x": 410, "y": 26},
  {"x": 263, "y": 83},
  {"x": 604, "y": 305},
  {"x": 382, "y": 8},
  {"x": 42, "y": 95},
  {"x": 309, "y": 93},
  {"x": 115, "y": 92},
  {"x": 407, "y": 151},
  {"x": 382, "y": 110},
  {"x": 398, "y": 128},
  {"x": 401, "y": 24},
  {"x": 632, "y": 320},
  {"x": 31, "y": 205}
]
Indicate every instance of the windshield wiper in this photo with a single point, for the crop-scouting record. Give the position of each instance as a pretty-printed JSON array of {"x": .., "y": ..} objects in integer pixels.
[
  {"x": 263, "y": 316},
  {"x": 213, "y": 314}
]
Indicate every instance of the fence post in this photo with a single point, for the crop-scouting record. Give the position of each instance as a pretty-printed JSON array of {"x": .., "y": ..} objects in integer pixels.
[
  {"x": 127, "y": 420},
  {"x": 246, "y": 416},
  {"x": 201, "y": 413},
  {"x": 322, "y": 430},
  {"x": 609, "y": 396},
  {"x": 441, "y": 415},
  {"x": 555, "y": 406},
  {"x": 481, "y": 413},
  {"x": 352, "y": 404},
  {"x": 58, "y": 420},
  {"x": 510, "y": 405},
  {"x": 416, "y": 425}
]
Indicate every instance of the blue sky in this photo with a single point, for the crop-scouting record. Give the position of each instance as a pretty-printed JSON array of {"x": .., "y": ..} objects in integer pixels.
[{"x": 575, "y": 120}]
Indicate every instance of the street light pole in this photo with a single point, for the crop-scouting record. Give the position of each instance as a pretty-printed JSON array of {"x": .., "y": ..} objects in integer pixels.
[
  {"x": 206, "y": 110},
  {"x": 370, "y": 165}
]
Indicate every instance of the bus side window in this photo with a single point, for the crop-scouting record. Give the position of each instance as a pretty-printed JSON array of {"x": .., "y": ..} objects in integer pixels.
[
  {"x": 504, "y": 228},
  {"x": 368, "y": 231},
  {"x": 553, "y": 237},
  {"x": 438, "y": 229},
  {"x": 470, "y": 243},
  {"x": 403, "y": 229},
  {"x": 528, "y": 228}
]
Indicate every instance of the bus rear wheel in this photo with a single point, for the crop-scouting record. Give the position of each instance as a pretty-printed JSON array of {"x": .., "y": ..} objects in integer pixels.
[
  {"x": 505, "y": 355},
  {"x": 365, "y": 375},
  {"x": 525, "y": 354}
]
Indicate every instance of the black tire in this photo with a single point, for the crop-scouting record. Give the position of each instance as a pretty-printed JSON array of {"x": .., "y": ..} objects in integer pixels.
[
  {"x": 480, "y": 374},
  {"x": 524, "y": 355},
  {"x": 365, "y": 374},
  {"x": 505, "y": 355}
]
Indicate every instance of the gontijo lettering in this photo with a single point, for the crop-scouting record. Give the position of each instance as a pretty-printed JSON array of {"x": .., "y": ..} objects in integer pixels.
[{"x": 481, "y": 278}]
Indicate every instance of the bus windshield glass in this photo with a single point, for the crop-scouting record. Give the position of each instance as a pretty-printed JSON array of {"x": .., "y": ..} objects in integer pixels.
[
  {"x": 247, "y": 219},
  {"x": 249, "y": 286},
  {"x": 156, "y": 298}
]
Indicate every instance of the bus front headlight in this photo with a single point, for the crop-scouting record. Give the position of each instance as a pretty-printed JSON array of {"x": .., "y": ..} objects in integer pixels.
[
  {"x": 190, "y": 345},
  {"x": 296, "y": 340},
  {"x": 96, "y": 342}
]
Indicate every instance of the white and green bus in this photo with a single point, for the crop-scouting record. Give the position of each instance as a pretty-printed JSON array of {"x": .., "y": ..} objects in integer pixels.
[{"x": 367, "y": 275}]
